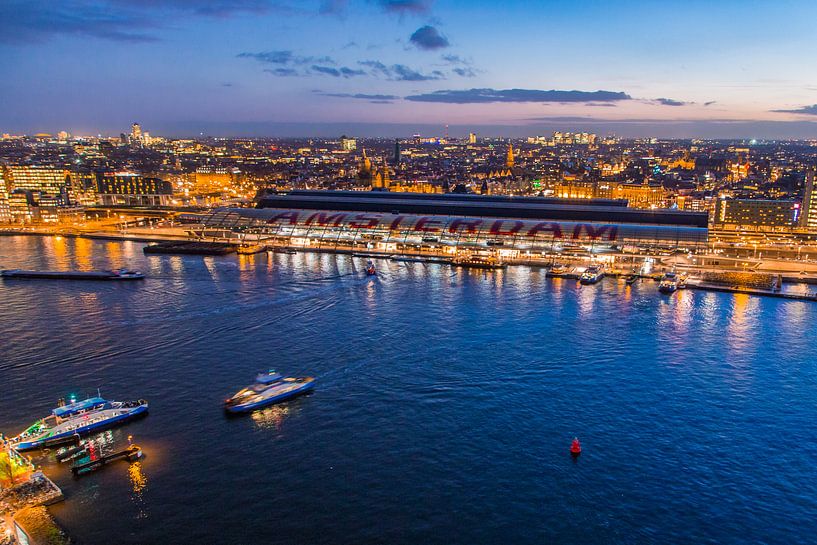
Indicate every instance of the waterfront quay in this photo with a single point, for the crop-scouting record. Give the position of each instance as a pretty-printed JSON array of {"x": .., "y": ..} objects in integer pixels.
[{"x": 25, "y": 493}]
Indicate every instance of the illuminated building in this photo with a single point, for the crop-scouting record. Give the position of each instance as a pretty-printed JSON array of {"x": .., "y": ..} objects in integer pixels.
[
  {"x": 808, "y": 218},
  {"x": 21, "y": 206},
  {"x": 637, "y": 195},
  {"x": 136, "y": 132},
  {"x": 5, "y": 211},
  {"x": 382, "y": 178},
  {"x": 446, "y": 223},
  {"x": 126, "y": 188},
  {"x": 49, "y": 181},
  {"x": 756, "y": 214},
  {"x": 472, "y": 138},
  {"x": 208, "y": 179},
  {"x": 509, "y": 158},
  {"x": 82, "y": 188},
  {"x": 396, "y": 153},
  {"x": 738, "y": 170},
  {"x": 348, "y": 144}
]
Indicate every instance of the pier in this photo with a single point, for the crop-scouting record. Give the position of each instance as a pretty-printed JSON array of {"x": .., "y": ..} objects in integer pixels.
[{"x": 132, "y": 453}]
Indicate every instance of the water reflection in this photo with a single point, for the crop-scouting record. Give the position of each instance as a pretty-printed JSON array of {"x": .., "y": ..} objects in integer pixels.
[{"x": 271, "y": 417}]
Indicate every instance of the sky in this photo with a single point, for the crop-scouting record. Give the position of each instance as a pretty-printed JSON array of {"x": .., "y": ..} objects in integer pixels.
[{"x": 712, "y": 69}]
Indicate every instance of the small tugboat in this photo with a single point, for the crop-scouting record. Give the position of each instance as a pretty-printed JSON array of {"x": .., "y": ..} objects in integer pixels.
[
  {"x": 120, "y": 274},
  {"x": 269, "y": 388},
  {"x": 370, "y": 270},
  {"x": 557, "y": 269},
  {"x": 68, "y": 423},
  {"x": 632, "y": 278},
  {"x": 669, "y": 283},
  {"x": 591, "y": 275}
]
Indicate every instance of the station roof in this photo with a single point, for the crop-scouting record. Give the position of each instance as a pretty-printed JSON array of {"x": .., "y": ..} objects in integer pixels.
[{"x": 534, "y": 208}]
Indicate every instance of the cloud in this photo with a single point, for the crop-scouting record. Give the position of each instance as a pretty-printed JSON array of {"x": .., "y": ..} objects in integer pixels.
[
  {"x": 465, "y": 71},
  {"x": 405, "y": 6},
  {"x": 808, "y": 110},
  {"x": 342, "y": 72},
  {"x": 670, "y": 102},
  {"x": 455, "y": 59},
  {"x": 373, "y": 98},
  {"x": 400, "y": 72},
  {"x": 282, "y": 72},
  {"x": 285, "y": 57},
  {"x": 429, "y": 38},
  {"x": 333, "y": 7},
  {"x": 27, "y": 21},
  {"x": 483, "y": 96},
  {"x": 710, "y": 103}
]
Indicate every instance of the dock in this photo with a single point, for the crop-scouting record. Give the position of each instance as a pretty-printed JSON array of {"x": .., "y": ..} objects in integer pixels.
[
  {"x": 132, "y": 453},
  {"x": 190, "y": 248},
  {"x": 705, "y": 286}
]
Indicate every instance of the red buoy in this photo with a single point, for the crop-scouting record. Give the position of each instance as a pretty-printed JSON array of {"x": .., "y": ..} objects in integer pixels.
[{"x": 575, "y": 448}]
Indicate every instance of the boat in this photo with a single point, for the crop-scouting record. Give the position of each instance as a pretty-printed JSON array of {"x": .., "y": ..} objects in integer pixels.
[
  {"x": 557, "y": 269},
  {"x": 591, "y": 275},
  {"x": 370, "y": 270},
  {"x": 67, "y": 423},
  {"x": 269, "y": 388},
  {"x": 120, "y": 274},
  {"x": 250, "y": 249},
  {"x": 632, "y": 279},
  {"x": 479, "y": 262},
  {"x": 671, "y": 282}
]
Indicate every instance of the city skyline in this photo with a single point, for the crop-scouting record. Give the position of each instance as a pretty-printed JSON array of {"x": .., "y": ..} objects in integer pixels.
[{"x": 395, "y": 67}]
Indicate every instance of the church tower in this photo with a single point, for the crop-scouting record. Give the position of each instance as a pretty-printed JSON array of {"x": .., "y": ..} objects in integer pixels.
[{"x": 509, "y": 159}]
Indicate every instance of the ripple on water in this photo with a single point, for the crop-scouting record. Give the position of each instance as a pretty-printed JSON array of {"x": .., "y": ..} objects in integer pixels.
[{"x": 445, "y": 403}]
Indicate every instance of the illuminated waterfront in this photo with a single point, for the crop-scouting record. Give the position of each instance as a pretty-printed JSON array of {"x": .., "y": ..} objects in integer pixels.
[{"x": 445, "y": 404}]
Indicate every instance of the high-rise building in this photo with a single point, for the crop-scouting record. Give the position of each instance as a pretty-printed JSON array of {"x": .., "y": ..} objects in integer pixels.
[
  {"x": 348, "y": 144},
  {"x": 5, "y": 211},
  {"x": 472, "y": 138},
  {"x": 136, "y": 133},
  {"x": 396, "y": 152},
  {"x": 50, "y": 181},
  {"x": 509, "y": 159},
  {"x": 808, "y": 216}
]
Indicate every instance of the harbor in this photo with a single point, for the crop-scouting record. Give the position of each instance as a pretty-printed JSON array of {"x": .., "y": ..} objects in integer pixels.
[{"x": 390, "y": 353}]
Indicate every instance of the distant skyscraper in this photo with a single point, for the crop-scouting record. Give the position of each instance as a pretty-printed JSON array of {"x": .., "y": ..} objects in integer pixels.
[
  {"x": 136, "y": 132},
  {"x": 396, "y": 152},
  {"x": 808, "y": 216},
  {"x": 509, "y": 158},
  {"x": 472, "y": 138}
]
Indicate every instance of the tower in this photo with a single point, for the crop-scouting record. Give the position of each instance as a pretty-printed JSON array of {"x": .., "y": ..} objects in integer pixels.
[
  {"x": 365, "y": 166},
  {"x": 808, "y": 214},
  {"x": 509, "y": 159},
  {"x": 385, "y": 176},
  {"x": 136, "y": 132},
  {"x": 472, "y": 138},
  {"x": 396, "y": 152}
]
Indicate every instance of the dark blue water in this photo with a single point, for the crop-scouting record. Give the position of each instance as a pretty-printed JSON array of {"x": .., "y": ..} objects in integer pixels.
[{"x": 446, "y": 402}]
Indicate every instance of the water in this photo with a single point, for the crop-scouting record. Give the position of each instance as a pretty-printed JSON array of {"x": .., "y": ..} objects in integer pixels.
[{"x": 444, "y": 409}]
